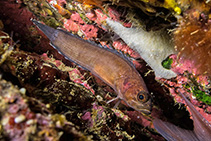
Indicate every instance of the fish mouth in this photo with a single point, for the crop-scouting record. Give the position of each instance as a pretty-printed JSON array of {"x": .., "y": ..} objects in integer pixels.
[
  {"x": 144, "y": 108},
  {"x": 145, "y": 111}
]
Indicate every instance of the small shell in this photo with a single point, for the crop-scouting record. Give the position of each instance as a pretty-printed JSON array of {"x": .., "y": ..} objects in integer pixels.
[{"x": 20, "y": 119}]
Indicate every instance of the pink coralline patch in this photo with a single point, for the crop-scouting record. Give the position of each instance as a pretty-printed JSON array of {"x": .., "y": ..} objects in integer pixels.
[
  {"x": 187, "y": 65},
  {"x": 90, "y": 31},
  {"x": 120, "y": 114},
  {"x": 113, "y": 14},
  {"x": 209, "y": 109},
  {"x": 75, "y": 23},
  {"x": 92, "y": 16},
  {"x": 77, "y": 77},
  {"x": 98, "y": 17},
  {"x": 74, "y": 75},
  {"x": 104, "y": 44},
  {"x": 180, "y": 80},
  {"x": 45, "y": 56},
  {"x": 16, "y": 121},
  {"x": 86, "y": 85},
  {"x": 125, "y": 48},
  {"x": 13, "y": 109},
  {"x": 128, "y": 25},
  {"x": 76, "y": 18},
  {"x": 176, "y": 95},
  {"x": 100, "y": 108},
  {"x": 95, "y": 116},
  {"x": 58, "y": 63},
  {"x": 181, "y": 68},
  {"x": 179, "y": 85},
  {"x": 118, "y": 45},
  {"x": 203, "y": 80},
  {"x": 86, "y": 116},
  {"x": 71, "y": 25},
  {"x": 182, "y": 65}
]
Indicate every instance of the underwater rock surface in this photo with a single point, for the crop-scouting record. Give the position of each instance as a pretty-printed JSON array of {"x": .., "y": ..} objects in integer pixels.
[{"x": 67, "y": 102}]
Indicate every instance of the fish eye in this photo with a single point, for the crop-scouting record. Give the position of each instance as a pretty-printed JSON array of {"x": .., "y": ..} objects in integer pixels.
[{"x": 142, "y": 96}]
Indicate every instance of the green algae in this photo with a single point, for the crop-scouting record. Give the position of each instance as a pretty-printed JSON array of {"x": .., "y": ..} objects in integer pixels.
[
  {"x": 167, "y": 63},
  {"x": 197, "y": 89},
  {"x": 201, "y": 95}
]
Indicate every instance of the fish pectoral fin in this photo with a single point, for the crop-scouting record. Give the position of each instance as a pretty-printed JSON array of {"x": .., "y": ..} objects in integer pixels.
[
  {"x": 114, "y": 99},
  {"x": 172, "y": 132},
  {"x": 117, "y": 104}
]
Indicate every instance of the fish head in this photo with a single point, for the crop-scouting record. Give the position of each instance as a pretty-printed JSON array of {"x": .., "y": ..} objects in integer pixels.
[{"x": 137, "y": 96}]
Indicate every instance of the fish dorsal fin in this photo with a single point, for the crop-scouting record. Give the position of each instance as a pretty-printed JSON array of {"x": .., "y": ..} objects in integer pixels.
[
  {"x": 51, "y": 33},
  {"x": 119, "y": 53},
  {"x": 122, "y": 55}
]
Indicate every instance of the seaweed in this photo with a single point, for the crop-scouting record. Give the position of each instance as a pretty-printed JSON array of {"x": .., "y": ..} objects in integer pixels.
[{"x": 167, "y": 63}]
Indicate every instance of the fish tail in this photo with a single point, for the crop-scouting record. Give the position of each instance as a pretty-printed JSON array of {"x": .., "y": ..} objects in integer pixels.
[
  {"x": 172, "y": 132},
  {"x": 202, "y": 128}
]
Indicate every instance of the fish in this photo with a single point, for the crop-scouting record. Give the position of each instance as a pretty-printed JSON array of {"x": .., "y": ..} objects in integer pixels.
[
  {"x": 111, "y": 67},
  {"x": 153, "y": 46},
  {"x": 171, "y": 132}
]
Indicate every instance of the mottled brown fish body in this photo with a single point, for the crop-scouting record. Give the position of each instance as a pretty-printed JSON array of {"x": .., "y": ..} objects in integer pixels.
[
  {"x": 101, "y": 62},
  {"x": 113, "y": 69}
]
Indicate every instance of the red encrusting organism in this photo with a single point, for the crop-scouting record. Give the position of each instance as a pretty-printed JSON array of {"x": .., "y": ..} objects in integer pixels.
[{"x": 192, "y": 40}]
